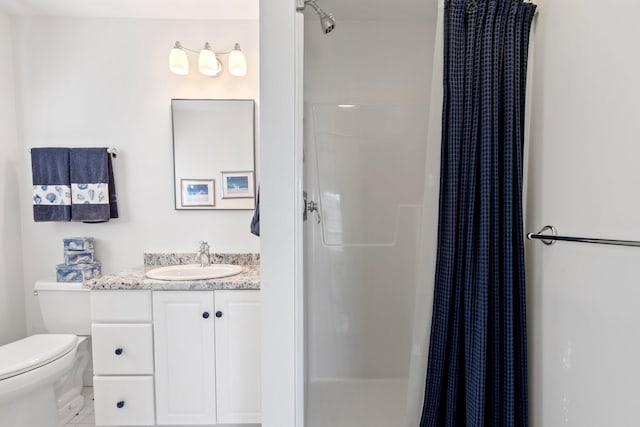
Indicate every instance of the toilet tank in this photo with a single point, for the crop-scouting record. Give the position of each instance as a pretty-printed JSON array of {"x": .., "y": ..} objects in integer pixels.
[{"x": 65, "y": 307}]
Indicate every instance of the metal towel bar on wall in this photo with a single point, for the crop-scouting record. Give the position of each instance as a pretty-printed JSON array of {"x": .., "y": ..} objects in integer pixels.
[
  {"x": 112, "y": 151},
  {"x": 549, "y": 239}
]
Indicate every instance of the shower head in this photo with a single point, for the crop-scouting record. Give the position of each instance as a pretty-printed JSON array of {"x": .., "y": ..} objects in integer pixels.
[{"x": 327, "y": 21}]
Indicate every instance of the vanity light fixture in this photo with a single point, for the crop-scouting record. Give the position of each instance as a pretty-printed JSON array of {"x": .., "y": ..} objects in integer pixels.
[
  {"x": 208, "y": 62},
  {"x": 237, "y": 62},
  {"x": 178, "y": 62}
]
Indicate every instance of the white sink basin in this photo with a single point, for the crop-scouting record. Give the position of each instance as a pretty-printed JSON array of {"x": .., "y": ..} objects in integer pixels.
[{"x": 193, "y": 272}]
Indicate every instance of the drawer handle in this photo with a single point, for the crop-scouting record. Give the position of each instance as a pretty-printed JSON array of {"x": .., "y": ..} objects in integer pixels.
[
  {"x": 120, "y": 404},
  {"x": 218, "y": 314},
  {"x": 118, "y": 351},
  {"x": 205, "y": 314}
]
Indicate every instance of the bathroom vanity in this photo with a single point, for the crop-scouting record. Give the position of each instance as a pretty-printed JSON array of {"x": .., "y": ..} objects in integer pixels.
[{"x": 177, "y": 352}]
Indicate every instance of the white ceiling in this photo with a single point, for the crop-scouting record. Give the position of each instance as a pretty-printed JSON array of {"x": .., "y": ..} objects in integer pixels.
[
  {"x": 351, "y": 10},
  {"x": 146, "y": 9}
]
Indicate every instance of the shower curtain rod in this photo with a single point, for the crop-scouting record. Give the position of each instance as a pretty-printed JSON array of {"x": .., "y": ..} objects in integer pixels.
[{"x": 549, "y": 239}]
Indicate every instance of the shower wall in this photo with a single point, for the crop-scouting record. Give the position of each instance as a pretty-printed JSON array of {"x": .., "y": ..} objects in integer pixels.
[{"x": 366, "y": 95}]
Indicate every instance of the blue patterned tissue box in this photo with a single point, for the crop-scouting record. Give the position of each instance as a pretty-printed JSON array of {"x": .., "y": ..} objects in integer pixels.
[
  {"x": 78, "y": 257},
  {"x": 78, "y": 243},
  {"x": 78, "y": 272}
]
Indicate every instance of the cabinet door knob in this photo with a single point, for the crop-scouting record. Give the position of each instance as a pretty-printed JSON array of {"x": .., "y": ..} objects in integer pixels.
[
  {"x": 120, "y": 404},
  {"x": 218, "y": 314},
  {"x": 205, "y": 314},
  {"x": 118, "y": 351}
]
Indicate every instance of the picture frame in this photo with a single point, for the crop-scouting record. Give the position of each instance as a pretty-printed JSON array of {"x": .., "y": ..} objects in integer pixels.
[
  {"x": 197, "y": 193},
  {"x": 237, "y": 185}
]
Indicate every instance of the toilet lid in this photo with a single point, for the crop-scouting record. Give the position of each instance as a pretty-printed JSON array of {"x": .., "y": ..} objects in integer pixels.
[{"x": 34, "y": 351}]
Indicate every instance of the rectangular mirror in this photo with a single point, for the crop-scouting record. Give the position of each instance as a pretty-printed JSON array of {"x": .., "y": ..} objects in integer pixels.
[{"x": 213, "y": 153}]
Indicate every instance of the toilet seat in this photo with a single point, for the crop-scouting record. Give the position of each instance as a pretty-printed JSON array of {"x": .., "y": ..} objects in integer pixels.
[{"x": 33, "y": 352}]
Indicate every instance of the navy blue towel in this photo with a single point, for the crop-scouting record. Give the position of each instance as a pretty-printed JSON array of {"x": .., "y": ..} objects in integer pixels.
[
  {"x": 92, "y": 187},
  {"x": 113, "y": 201},
  {"x": 51, "y": 184},
  {"x": 255, "y": 221}
]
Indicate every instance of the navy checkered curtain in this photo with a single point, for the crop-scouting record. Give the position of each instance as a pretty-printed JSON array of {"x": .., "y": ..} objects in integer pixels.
[{"x": 477, "y": 369}]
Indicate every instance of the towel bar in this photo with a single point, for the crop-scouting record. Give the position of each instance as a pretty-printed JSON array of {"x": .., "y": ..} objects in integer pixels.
[
  {"x": 112, "y": 151},
  {"x": 549, "y": 239}
]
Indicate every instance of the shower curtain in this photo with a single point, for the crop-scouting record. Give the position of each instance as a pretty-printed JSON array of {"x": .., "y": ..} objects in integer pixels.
[{"x": 477, "y": 363}]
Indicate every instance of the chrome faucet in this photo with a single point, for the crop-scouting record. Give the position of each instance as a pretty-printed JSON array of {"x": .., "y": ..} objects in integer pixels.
[{"x": 203, "y": 254}]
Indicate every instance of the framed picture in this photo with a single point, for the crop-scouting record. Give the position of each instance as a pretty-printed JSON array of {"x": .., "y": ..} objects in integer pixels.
[
  {"x": 198, "y": 192},
  {"x": 237, "y": 185}
]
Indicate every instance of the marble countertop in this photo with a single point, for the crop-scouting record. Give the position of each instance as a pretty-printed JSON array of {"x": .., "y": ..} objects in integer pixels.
[{"x": 249, "y": 278}]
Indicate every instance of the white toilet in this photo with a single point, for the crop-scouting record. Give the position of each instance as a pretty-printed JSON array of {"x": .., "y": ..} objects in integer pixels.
[{"x": 41, "y": 375}]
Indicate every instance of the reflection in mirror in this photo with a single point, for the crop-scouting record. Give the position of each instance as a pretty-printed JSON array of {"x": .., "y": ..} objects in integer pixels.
[{"x": 213, "y": 153}]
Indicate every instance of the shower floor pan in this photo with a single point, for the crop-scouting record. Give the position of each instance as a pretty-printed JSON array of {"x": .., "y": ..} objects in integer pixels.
[{"x": 356, "y": 403}]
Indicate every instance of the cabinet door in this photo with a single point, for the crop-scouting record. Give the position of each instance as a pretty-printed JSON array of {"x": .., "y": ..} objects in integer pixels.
[
  {"x": 238, "y": 382},
  {"x": 184, "y": 357}
]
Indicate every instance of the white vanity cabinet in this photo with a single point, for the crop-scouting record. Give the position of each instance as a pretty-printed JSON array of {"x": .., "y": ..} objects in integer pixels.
[
  {"x": 207, "y": 357},
  {"x": 198, "y": 352}
]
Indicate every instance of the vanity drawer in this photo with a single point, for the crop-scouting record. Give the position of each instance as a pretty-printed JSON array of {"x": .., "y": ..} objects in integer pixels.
[
  {"x": 120, "y": 306},
  {"x": 122, "y": 349},
  {"x": 121, "y": 401}
]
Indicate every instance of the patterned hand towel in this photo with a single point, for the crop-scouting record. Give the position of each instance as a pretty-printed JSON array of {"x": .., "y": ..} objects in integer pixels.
[
  {"x": 92, "y": 187},
  {"x": 51, "y": 184}
]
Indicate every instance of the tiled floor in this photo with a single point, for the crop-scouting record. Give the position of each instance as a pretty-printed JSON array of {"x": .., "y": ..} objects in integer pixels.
[
  {"x": 86, "y": 417},
  {"x": 333, "y": 403}
]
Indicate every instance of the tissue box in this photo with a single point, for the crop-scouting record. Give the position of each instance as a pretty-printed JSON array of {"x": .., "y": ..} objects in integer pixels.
[
  {"x": 78, "y": 243},
  {"x": 78, "y": 257},
  {"x": 78, "y": 272}
]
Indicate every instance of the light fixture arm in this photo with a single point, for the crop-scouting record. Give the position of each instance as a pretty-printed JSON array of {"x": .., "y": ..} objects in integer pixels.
[{"x": 179, "y": 45}]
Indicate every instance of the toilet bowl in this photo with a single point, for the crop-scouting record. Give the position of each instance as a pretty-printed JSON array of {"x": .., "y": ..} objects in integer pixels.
[
  {"x": 41, "y": 375},
  {"x": 29, "y": 370}
]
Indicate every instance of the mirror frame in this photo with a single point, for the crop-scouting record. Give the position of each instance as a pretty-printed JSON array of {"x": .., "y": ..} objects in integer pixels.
[{"x": 217, "y": 187}]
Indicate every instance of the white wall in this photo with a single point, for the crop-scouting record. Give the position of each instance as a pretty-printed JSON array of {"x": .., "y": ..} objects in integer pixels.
[
  {"x": 584, "y": 179},
  {"x": 370, "y": 62},
  {"x": 12, "y": 308},
  {"x": 105, "y": 82},
  {"x": 280, "y": 211}
]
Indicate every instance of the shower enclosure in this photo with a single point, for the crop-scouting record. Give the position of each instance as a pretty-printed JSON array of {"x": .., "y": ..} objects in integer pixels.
[{"x": 366, "y": 107}]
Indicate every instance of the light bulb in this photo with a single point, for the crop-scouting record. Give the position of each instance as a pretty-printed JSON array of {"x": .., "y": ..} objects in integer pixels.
[
  {"x": 237, "y": 62},
  {"x": 208, "y": 63},
  {"x": 178, "y": 62}
]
